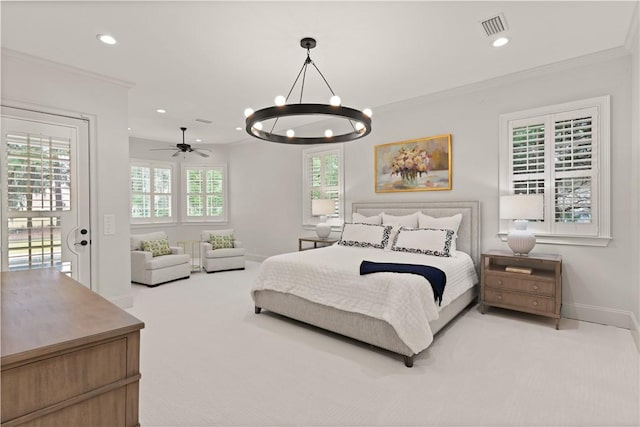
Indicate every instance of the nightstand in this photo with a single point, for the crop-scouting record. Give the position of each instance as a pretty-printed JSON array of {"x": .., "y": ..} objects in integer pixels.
[
  {"x": 316, "y": 241},
  {"x": 534, "y": 287}
]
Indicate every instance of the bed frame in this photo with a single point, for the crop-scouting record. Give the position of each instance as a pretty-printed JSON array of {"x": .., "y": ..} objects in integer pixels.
[{"x": 368, "y": 329}]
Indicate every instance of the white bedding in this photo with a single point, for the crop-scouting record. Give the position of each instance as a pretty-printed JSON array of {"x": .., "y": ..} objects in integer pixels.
[{"x": 331, "y": 276}]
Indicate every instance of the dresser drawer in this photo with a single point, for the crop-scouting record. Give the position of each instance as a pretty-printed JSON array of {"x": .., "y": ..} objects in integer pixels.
[
  {"x": 531, "y": 285},
  {"x": 524, "y": 302},
  {"x": 36, "y": 385}
]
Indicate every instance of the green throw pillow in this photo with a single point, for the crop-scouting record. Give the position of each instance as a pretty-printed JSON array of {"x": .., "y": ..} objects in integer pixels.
[
  {"x": 157, "y": 247},
  {"x": 221, "y": 242}
]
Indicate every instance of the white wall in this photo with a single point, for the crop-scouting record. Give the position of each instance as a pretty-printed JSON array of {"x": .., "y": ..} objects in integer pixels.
[
  {"x": 55, "y": 88},
  {"x": 633, "y": 44},
  {"x": 141, "y": 149},
  {"x": 598, "y": 282}
]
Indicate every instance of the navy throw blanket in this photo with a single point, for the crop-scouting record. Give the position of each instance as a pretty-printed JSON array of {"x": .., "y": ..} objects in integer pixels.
[{"x": 434, "y": 275}]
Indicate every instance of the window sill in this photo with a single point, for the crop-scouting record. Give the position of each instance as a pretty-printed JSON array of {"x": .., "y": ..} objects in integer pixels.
[{"x": 566, "y": 240}]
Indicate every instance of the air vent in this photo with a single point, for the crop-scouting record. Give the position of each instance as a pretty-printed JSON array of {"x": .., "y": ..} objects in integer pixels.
[
  {"x": 204, "y": 121},
  {"x": 494, "y": 25}
]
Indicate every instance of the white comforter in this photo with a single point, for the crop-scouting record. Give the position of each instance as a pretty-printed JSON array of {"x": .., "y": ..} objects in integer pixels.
[{"x": 331, "y": 276}]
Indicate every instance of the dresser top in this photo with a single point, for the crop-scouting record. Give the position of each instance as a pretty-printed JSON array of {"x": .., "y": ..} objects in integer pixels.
[
  {"x": 44, "y": 310},
  {"x": 532, "y": 255}
]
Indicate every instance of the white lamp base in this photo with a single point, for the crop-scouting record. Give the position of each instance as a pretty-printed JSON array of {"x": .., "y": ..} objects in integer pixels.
[
  {"x": 521, "y": 240},
  {"x": 323, "y": 229}
]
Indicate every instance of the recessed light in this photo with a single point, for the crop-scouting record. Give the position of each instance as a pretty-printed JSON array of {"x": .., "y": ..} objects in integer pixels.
[
  {"x": 238, "y": 128},
  {"x": 499, "y": 42},
  {"x": 161, "y": 111},
  {"x": 128, "y": 128},
  {"x": 198, "y": 140},
  {"x": 106, "y": 39}
]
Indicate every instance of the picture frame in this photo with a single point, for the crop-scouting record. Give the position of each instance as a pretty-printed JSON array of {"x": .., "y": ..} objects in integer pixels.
[{"x": 422, "y": 164}]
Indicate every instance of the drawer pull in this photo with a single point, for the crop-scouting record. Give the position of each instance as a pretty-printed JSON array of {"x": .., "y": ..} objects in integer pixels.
[
  {"x": 535, "y": 303},
  {"x": 535, "y": 287},
  {"x": 499, "y": 297},
  {"x": 499, "y": 282}
]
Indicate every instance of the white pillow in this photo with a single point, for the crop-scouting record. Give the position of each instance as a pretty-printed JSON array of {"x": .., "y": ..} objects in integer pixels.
[
  {"x": 444, "y": 222},
  {"x": 365, "y": 235},
  {"x": 376, "y": 219},
  {"x": 428, "y": 241},
  {"x": 405, "y": 220},
  {"x": 450, "y": 222}
]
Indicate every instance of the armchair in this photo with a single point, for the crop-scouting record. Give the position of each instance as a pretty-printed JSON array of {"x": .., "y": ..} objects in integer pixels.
[
  {"x": 152, "y": 270},
  {"x": 221, "y": 259}
]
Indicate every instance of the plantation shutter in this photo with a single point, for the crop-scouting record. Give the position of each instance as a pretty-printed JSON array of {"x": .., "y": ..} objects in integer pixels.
[
  {"x": 205, "y": 193},
  {"x": 323, "y": 180},
  {"x": 575, "y": 174},
  {"x": 38, "y": 185},
  {"x": 528, "y": 156}
]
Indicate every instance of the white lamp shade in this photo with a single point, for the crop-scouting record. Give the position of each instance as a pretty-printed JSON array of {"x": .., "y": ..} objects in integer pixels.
[
  {"x": 522, "y": 206},
  {"x": 322, "y": 207}
]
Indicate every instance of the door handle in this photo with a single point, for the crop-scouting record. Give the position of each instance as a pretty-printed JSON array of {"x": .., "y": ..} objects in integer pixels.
[{"x": 82, "y": 243}]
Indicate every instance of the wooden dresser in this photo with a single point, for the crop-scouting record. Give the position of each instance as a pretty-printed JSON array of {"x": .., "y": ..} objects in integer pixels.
[
  {"x": 538, "y": 292},
  {"x": 70, "y": 358}
]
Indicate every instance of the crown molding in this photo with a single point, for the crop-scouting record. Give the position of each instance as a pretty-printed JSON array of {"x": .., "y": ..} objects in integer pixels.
[{"x": 64, "y": 67}]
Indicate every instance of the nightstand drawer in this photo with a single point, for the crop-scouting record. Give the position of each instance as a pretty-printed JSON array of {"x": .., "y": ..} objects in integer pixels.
[
  {"x": 531, "y": 285},
  {"x": 518, "y": 301}
]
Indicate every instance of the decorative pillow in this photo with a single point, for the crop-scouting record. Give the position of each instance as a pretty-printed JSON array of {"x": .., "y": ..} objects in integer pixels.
[
  {"x": 221, "y": 241},
  {"x": 444, "y": 222},
  {"x": 156, "y": 247},
  {"x": 365, "y": 235},
  {"x": 428, "y": 241},
  {"x": 405, "y": 220},
  {"x": 358, "y": 218}
]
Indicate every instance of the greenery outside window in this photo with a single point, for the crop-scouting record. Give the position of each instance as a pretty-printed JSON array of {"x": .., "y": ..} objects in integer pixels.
[
  {"x": 151, "y": 185},
  {"x": 205, "y": 193}
]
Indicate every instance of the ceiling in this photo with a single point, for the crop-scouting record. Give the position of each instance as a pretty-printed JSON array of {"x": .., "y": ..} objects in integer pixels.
[{"x": 213, "y": 59}]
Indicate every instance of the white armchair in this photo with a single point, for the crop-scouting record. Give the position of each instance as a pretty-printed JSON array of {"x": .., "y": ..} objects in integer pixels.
[
  {"x": 152, "y": 271},
  {"x": 221, "y": 259}
]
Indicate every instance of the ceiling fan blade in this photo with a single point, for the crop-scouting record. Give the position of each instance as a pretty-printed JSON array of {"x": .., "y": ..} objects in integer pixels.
[
  {"x": 161, "y": 149},
  {"x": 176, "y": 154},
  {"x": 199, "y": 153}
]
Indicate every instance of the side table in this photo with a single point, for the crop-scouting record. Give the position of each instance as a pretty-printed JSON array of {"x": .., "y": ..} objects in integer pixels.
[
  {"x": 192, "y": 248},
  {"x": 316, "y": 241}
]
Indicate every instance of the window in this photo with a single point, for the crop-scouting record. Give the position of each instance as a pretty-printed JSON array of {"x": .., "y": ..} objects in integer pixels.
[
  {"x": 562, "y": 152},
  {"x": 205, "y": 195},
  {"x": 151, "y": 192},
  {"x": 323, "y": 179}
]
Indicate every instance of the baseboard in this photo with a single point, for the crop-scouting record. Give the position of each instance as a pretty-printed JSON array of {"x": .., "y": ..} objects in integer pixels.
[
  {"x": 255, "y": 257},
  {"x": 122, "y": 301},
  {"x": 605, "y": 316}
]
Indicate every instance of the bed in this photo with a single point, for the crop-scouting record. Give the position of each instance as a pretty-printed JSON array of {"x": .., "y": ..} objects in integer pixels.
[{"x": 307, "y": 286}]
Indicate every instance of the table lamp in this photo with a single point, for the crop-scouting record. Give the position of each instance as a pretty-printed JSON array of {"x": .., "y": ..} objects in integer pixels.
[
  {"x": 322, "y": 208},
  {"x": 521, "y": 208}
]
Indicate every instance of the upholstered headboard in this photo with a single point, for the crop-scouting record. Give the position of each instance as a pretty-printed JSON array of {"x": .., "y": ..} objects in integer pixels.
[{"x": 468, "y": 233}]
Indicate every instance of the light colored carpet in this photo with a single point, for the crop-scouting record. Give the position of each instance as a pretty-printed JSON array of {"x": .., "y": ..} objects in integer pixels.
[{"x": 208, "y": 360}]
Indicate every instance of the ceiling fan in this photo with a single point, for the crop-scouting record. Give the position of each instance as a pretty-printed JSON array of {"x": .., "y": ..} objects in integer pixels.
[{"x": 184, "y": 148}]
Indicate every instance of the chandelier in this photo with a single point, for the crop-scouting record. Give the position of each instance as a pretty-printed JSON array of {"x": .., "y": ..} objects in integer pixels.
[{"x": 262, "y": 123}]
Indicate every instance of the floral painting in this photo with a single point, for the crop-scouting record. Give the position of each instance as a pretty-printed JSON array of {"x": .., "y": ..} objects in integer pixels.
[{"x": 416, "y": 165}]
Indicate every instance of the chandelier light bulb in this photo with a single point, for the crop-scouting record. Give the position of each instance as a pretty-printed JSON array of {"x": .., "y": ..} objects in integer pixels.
[
  {"x": 359, "y": 127},
  {"x": 328, "y": 133},
  {"x": 335, "y": 101},
  {"x": 280, "y": 100},
  {"x": 257, "y": 125},
  {"x": 248, "y": 112},
  {"x": 290, "y": 133},
  {"x": 367, "y": 112}
]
